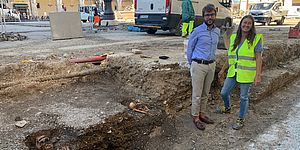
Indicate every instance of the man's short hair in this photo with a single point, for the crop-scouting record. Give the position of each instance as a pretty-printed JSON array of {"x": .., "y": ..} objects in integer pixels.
[{"x": 209, "y": 8}]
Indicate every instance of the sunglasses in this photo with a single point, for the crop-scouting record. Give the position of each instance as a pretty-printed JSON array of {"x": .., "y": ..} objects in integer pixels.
[{"x": 211, "y": 15}]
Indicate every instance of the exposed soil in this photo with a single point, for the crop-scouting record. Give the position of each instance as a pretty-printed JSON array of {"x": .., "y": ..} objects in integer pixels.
[{"x": 85, "y": 106}]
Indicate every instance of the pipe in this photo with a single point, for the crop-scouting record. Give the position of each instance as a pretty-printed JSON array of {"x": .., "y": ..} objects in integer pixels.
[{"x": 88, "y": 59}]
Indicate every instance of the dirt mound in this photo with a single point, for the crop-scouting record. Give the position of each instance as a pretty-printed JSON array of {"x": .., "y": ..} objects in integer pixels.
[
  {"x": 278, "y": 53},
  {"x": 167, "y": 86},
  {"x": 39, "y": 76},
  {"x": 11, "y": 37}
]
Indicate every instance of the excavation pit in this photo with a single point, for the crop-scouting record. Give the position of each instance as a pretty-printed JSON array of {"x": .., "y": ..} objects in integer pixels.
[{"x": 85, "y": 106}]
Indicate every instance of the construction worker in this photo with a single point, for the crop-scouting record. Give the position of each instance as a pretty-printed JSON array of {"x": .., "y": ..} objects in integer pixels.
[
  {"x": 188, "y": 17},
  {"x": 97, "y": 18}
]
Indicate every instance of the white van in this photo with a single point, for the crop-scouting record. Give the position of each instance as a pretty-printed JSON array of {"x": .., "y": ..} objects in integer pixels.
[
  {"x": 267, "y": 12},
  {"x": 166, "y": 14},
  {"x": 87, "y": 12}
]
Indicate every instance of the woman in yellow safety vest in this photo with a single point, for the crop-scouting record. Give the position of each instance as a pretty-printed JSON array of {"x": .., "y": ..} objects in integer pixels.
[{"x": 244, "y": 66}]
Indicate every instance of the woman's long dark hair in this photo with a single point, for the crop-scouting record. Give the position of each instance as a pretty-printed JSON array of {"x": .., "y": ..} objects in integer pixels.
[{"x": 251, "y": 34}]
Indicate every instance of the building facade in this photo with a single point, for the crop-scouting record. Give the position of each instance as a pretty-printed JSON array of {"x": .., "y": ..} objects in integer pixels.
[{"x": 30, "y": 9}]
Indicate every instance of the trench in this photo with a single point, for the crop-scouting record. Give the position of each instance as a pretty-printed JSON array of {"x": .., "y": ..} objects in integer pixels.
[
  {"x": 119, "y": 130},
  {"x": 85, "y": 106},
  {"x": 75, "y": 89}
]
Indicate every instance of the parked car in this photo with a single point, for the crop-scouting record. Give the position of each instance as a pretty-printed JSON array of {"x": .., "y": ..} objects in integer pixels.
[
  {"x": 10, "y": 15},
  {"x": 267, "y": 12},
  {"x": 165, "y": 15},
  {"x": 87, "y": 13}
]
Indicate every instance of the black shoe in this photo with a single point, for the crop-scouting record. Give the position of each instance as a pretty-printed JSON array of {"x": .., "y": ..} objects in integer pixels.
[
  {"x": 239, "y": 124},
  {"x": 223, "y": 110}
]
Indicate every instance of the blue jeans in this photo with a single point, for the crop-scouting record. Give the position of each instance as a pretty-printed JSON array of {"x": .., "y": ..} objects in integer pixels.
[{"x": 229, "y": 85}]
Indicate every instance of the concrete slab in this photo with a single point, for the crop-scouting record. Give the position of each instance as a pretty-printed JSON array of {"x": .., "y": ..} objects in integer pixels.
[
  {"x": 109, "y": 23},
  {"x": 65, "y": 25}
]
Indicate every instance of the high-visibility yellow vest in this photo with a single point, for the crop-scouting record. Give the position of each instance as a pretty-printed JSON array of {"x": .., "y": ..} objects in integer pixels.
[{"x": 243, "y": 65}]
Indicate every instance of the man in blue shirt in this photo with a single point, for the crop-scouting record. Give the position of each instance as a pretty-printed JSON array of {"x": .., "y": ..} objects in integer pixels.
[{"x": 201, "y": 51}]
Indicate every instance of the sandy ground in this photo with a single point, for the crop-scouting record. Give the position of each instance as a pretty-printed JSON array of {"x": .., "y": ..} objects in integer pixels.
[
  {"x": 66, "y": 109},
  {"x": 281, "y": 135},
  {"x": 271, "y": 124}
]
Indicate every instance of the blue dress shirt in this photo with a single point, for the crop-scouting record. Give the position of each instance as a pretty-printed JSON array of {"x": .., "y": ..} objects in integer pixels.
[{"x": 203, "y": 43}]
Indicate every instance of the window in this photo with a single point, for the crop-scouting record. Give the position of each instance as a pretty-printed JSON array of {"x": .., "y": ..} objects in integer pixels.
[{"x": 262, "y": 6}]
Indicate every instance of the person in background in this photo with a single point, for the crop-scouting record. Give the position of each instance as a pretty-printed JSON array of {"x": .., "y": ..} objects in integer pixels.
[
  {"x": 24, "y": 15},
  {"x": 63, "y": 8},
  {"x": 188, "y": 17},
  {"x": 18, "y": 16},
  {"x": 244, "y": 64},
  {"x": 201, "y": 53},
  {"x": 96, "y": 18}
]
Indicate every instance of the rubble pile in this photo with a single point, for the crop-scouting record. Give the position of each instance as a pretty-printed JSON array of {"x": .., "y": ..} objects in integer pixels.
[{"x": 12, "y": 37}]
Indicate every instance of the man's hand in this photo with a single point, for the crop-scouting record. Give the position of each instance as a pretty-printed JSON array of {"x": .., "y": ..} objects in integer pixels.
[
  {"x": 257, "y": 80},
  {"x": 221, "y": 76}
]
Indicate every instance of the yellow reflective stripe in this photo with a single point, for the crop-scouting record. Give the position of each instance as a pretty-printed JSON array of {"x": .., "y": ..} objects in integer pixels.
[
  {"x": 246, "y": 58},
  {"x": 232, "y": 56},
  {"x": 246, "y": 68},
  {"x": 243, "y": 67}
]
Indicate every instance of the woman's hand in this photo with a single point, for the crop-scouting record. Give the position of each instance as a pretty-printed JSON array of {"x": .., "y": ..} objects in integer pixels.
[{"x": 257, "y": 80}]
